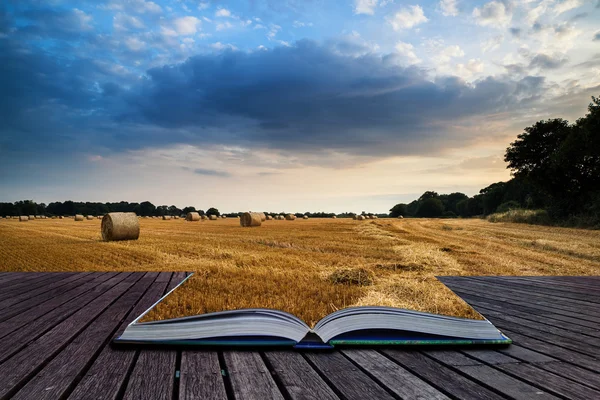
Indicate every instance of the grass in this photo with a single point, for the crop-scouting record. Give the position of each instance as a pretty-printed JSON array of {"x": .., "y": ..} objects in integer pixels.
[
  {"x": 306, "y": 267},
  {"x": 519, "y": 215}
]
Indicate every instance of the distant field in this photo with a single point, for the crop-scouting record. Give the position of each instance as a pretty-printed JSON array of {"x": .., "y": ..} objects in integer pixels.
[{"x": 299, "y": 266}]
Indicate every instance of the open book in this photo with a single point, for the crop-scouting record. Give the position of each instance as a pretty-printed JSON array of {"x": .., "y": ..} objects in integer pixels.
[{"x": 368, "y": 325}]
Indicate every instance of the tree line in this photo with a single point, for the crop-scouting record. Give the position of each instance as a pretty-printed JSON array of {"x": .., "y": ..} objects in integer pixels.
[{"x": 555, "y": 167}]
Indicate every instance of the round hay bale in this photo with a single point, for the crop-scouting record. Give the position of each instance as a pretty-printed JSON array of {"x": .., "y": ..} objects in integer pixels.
[
  {"x": 250, "y": 219},
  {"x": 192, "y": 216},
  {"x": 334, "y": 217},
  {"x": 44, "y": 217},
  {"x": 269, "y": 218},
  {"x": 355, "y": 217},
  {"x": 166, "y": 217},
  {"x": 263, "y": 217},
  {"x": 224, "y": 216},
  {"x": 78, "y": 217},
  {"x": 305, "y": 217},
  {"x": 361, "y": 218},
  {"x": 204, "y": 217},
  {"x": 23, "y": 218},
  {"x": 176, "y": 217},
  {"x": 400, "y": 217},
  {"x": 99, "y": 217},
  {"x": 90, "y": 217},
  {"x": 120, "y": 226},
  {"x": 290, "y": 217},
  {"x": 212, "y": 217},
  {"x": 60, "y": 217}
]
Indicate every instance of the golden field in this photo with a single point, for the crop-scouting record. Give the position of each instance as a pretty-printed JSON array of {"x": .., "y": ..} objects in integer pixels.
[{"x": 301, "y": 266}]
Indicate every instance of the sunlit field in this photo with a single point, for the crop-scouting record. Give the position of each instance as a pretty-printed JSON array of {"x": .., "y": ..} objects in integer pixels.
[{"x": 306, "y": 267}]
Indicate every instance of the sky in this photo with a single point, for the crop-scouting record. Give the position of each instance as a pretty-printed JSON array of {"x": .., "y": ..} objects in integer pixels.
[{"x": 295, "y": 105}]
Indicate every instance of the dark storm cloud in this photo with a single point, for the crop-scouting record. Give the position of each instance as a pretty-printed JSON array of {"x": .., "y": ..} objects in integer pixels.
[
  {"x": 545, "y": 61},
  {"x": 308, "y": 97},
  {"x": 211, "y": 172}
]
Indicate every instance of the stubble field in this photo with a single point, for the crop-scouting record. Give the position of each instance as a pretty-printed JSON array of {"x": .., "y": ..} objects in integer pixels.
[{"x": 306, "y": 267}]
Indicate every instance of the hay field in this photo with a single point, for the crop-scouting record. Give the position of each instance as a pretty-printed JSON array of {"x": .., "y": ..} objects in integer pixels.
[{"x": 307, "y": 267}]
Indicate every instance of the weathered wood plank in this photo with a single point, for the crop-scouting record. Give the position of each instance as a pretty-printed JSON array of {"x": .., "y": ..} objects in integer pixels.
[
  {"x": 557, "y": 352},
  {"x": 391, "y": 375},
  {"x": 527, "y": 355},
  {"x": 347, "y": 379},
  {"x": 17, "y": 277},
  {"x": 107, "y": 375},
  {"x": 15, "y": 305},
  {"x": 542, "y": 288},
  {"x": 30, "y": 325},
  {"x": 489, "y": 376},
  {"x": 249, "y": 376},
  {"x": 153, "y": 376},
  {"x": 298, "y": 378},
  {"x": 157, "y": 366},
  {"x": 59, "y": 375},
  {"x": 550, "y": 381},
  {"x": 530, "y": 297},
  {"x": 15, "y": 371},
  {"x": 440, "y": 376},
  {"x": 31, "y": 284},
  {"x": 200, "y": 376}
]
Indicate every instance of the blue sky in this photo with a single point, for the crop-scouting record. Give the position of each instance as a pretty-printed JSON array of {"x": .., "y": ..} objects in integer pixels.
[{"x": 295, "y": 105}]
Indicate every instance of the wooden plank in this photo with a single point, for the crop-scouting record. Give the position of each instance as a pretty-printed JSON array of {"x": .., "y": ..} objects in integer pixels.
[
  {"x": 153, "y": 376},
  {"x": 536, "y": 314},
  {"x": 58, "y": 376},
  {"x": 551, "y": 350},
  {"x": 573, "y": 372},
  {"x": 347, "y": 379},
  {"x": 15, "y": 371},
  {"x": 440, "y": 376},
  {"x": 391, "y": 375},
  {"x": 542, "y": 288},
  {"x": 37, "y": 281},
  {"x": 155, "y": 366},
  {"x": 55, "y": 286},
  {"x": 107, "y": 375},
  {"x": 511, "y": 299},
  {"x": 298, "y": 378},
  {"x": 532, "y": 296},
  {"x": 18, "y": 339},
  {"x": 489, "y": 376},
  {"x": 552, "y": 382},
  {"x": 17, "y": 304},
  {"x": 249, "y": 376},
  {"x": 492, "y": 357},
  {"x": 50, "y": 306},
  {"x": 527, "y": 355},
  {"x": 200, "y": 376},
  {"x": 542, "y": 324},
  {"x": 15, "y": 277}
]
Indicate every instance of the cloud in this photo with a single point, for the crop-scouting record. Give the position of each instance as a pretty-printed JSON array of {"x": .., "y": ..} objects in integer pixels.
[
  {"x": 449, "y": 8},
  {"x": 407, "y": 51},
  {"x": 203, "y": 5},
  {"x": 494, "y": 14},
  {"x": 407, "y": 18},
  {"x": 124, "y": 22},
  {"x": 55, "y": 23},
  {"x": 448, "y": 53},
  {"x": 596, "y": 36},
  {"x": 134, "y": 44},
  {"x": 372, "y": 105},
  {"x": 365, "y": 6},
  {"x": 516, "y": 32},
  {"x": 566, "y": 5},
  {"x": 492, "y": 43},
  {"x": 223, "y": 46},
  {"x": 221, "y": 26},
  {"x": 212, "y": 172},
  {"x": 300, "y": 24},
  {"x": 186, "y": 25},
  {"x": 223, "y": 12},
  {"x": 137, "y": 6},
  {"x": 545, "y": 61}
]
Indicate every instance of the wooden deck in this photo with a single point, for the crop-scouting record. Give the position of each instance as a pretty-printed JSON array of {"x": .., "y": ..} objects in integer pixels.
[{"x": 55, "y": 332}]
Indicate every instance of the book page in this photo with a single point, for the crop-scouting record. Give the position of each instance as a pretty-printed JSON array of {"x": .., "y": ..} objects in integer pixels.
[{"x": 311, "y": 268}]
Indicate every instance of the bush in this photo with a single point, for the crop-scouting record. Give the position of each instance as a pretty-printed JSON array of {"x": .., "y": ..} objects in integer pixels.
[
  {"x": 518, "y": 215},
  {"x": 509, "y": 205},
  {"x": 448, "y": 214}
]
